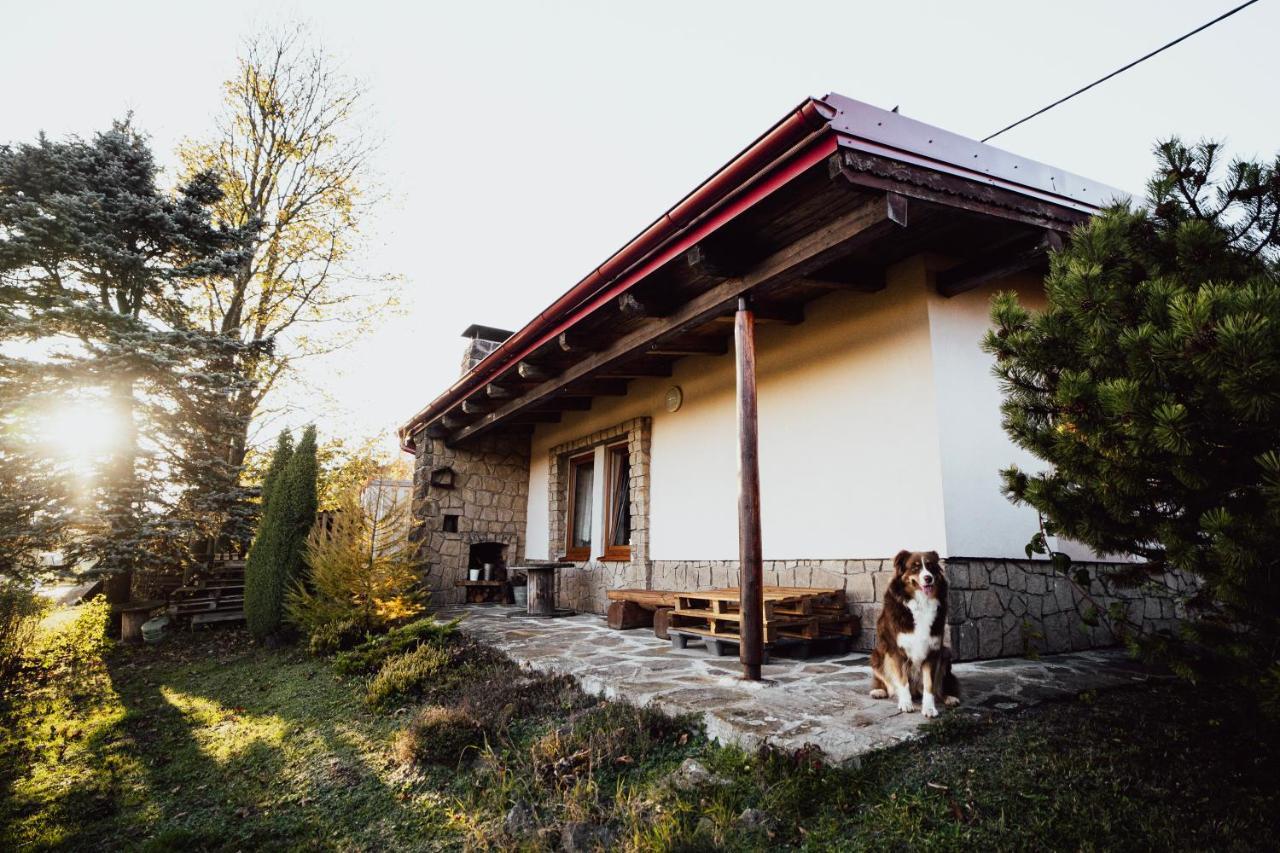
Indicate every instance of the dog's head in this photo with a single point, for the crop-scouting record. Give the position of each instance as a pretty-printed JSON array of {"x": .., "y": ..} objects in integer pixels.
[{"x": 919, "y": 571}]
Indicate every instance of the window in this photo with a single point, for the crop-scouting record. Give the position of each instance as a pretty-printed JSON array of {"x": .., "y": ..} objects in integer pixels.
[
  {"x": 582, "y": 470},
  {"x": 617, "y": 522}
]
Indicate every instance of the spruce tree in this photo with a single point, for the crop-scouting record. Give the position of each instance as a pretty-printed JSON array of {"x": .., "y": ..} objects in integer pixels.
[
  {"x": 1151, "y": 385},
  {"x": 97, "y": 264},
  {"x": 266, "y": 555}
]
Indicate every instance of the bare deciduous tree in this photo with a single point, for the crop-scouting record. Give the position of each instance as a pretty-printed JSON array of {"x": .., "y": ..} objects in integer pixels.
[{"x": 294, "y": 163}]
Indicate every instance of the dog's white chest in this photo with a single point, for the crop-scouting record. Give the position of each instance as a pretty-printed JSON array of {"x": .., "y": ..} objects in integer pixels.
[{"x": 917, "y": 643}]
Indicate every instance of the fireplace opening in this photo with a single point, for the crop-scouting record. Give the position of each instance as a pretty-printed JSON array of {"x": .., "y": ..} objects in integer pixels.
[{"x": 489, "y": 553}]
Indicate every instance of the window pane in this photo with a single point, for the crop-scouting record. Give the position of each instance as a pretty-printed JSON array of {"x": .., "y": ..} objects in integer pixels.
[
  {"x": 620, "y": 500},
  {"x": 583, "y": 477}
]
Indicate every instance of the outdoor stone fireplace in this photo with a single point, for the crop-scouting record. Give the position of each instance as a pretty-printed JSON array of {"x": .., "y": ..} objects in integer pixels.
[
  {"x": 480, "y": 554},
  {"x": 472, "y": 515}
]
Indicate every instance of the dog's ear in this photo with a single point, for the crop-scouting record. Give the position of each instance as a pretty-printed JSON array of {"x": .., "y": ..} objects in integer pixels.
[
  {"x": 900, "y": 561},
  {"x": 931, "y": 558}
]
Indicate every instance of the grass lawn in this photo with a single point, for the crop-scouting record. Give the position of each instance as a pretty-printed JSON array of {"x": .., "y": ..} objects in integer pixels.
[{"x": 209, "y": 742}]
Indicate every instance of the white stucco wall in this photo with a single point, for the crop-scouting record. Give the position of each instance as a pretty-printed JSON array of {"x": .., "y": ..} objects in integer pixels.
[
  {"x": 849, "y": 444},
  {"x": 980, "y": 522}
]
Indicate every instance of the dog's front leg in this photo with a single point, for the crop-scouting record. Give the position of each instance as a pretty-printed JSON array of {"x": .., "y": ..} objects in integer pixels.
[
  {"x": 900, "y": 681},
  {"x": 928, "y": 707}
]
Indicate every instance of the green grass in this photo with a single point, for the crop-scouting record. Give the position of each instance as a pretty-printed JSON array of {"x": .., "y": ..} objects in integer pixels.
[{"x": 210, "y": 742}]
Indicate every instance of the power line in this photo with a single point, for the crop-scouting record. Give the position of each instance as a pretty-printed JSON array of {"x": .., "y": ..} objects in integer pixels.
[{"x": 1161, "y": 49}]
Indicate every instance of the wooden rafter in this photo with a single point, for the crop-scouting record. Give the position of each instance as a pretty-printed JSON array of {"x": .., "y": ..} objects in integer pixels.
[{"x": 997, "y": 263}]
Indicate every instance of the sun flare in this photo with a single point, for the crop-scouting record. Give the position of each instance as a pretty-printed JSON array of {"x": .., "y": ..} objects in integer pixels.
[{"x": 81, "y": 433}]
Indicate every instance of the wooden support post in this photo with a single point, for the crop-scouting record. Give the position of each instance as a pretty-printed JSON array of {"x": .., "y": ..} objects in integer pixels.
[{"x": 751, "y": 583}]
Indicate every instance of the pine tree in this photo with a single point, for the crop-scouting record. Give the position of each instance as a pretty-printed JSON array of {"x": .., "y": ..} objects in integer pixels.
[
  {"x": 1151, "y": 385},
  {"x": 289, "y": 508}
]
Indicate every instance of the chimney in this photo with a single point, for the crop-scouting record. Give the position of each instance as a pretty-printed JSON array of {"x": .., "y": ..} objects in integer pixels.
[{"x": 481, "y": 340}]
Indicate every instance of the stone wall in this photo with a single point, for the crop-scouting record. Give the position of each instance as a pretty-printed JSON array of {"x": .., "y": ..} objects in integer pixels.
[
  {"x": 997, "y": 608},
  {"x": 484, "y": 485}
]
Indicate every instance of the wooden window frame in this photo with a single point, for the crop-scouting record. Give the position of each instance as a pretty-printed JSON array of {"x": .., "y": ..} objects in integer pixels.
[
  {"x": 580, "y": 554},
  {"x": 614, "y": 553}
]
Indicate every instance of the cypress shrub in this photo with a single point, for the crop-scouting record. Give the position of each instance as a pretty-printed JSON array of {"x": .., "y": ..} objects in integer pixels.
[
  {"x": 263, "y": 583},
  {"x": 298, "y": 495}
]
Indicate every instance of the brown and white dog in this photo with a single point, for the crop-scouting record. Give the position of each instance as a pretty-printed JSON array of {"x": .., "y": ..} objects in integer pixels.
[{"x": 910, "y": 656}]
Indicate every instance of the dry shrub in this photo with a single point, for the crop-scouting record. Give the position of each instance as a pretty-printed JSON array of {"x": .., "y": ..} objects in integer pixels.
[
  {"x": 439, "y": 735},
  {"x": 605, "y": 737}
]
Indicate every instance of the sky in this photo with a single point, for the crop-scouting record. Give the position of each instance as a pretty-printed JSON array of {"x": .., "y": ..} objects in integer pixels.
[{"x": 524, "y": 142}]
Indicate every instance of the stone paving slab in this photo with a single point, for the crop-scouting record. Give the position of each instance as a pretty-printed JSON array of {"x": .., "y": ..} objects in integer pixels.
[{"x": 822, "y": 701}]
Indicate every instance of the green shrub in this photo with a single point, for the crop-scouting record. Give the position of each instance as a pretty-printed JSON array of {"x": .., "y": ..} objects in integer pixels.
[
  {"x": 20, "y": 613},
  {"x": 369, "y": 656},
  {"x": 82, "y": 640},
  {"x": 334, "y": 637},
  {"x": 439, "y": 735},
  {"x": 407, "y": 675},
  {"x": 289, "y": 509}
]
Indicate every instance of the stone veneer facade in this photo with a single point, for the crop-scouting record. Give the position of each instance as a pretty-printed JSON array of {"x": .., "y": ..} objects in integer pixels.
[
  {"x": 489, "y": 495},
  {"x": 998, "y": 608}
]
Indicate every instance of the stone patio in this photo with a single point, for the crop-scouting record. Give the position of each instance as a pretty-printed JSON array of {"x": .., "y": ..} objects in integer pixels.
[{"x": 821, "y": 701}]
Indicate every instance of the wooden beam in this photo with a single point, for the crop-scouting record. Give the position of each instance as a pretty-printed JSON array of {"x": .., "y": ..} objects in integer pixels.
[
  {"x": 452, "y": 421},
  {"x": 476, "y": 407},
  {"x": 632, "y": 307},
  {"x": 498, "y": 392},
  {"x": 565, "y": 404},
  {"x": 528, "y": 370},
  {"x": 536, "y": 418},
  {"x": 869, "y": 284},
  {"x": 705, "y": 264},
  {"x": 636, "y": 371},
  {"x": 869, "y": 171},
  {"x": 787, "y": 315},
  {"x": 437, "y": 430},
  {"x": 750, "y": 552},
  {"x": 572, "y": 343},
  {"x": 598, "y": 388},
  {"x": 689, "y": 347},
  {"x": 814, "y": 251},
  {"x": 997, "y": 263}
]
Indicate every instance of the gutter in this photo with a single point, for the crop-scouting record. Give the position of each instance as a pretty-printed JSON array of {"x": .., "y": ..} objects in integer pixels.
[{"x": 797, "y": 127}]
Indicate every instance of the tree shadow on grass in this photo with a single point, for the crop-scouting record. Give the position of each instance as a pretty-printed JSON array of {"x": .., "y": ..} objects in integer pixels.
[{"x": 237, "y": 748}]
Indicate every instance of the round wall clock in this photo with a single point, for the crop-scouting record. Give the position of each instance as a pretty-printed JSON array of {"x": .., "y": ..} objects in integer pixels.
[{"x": 675, "y": 397}]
